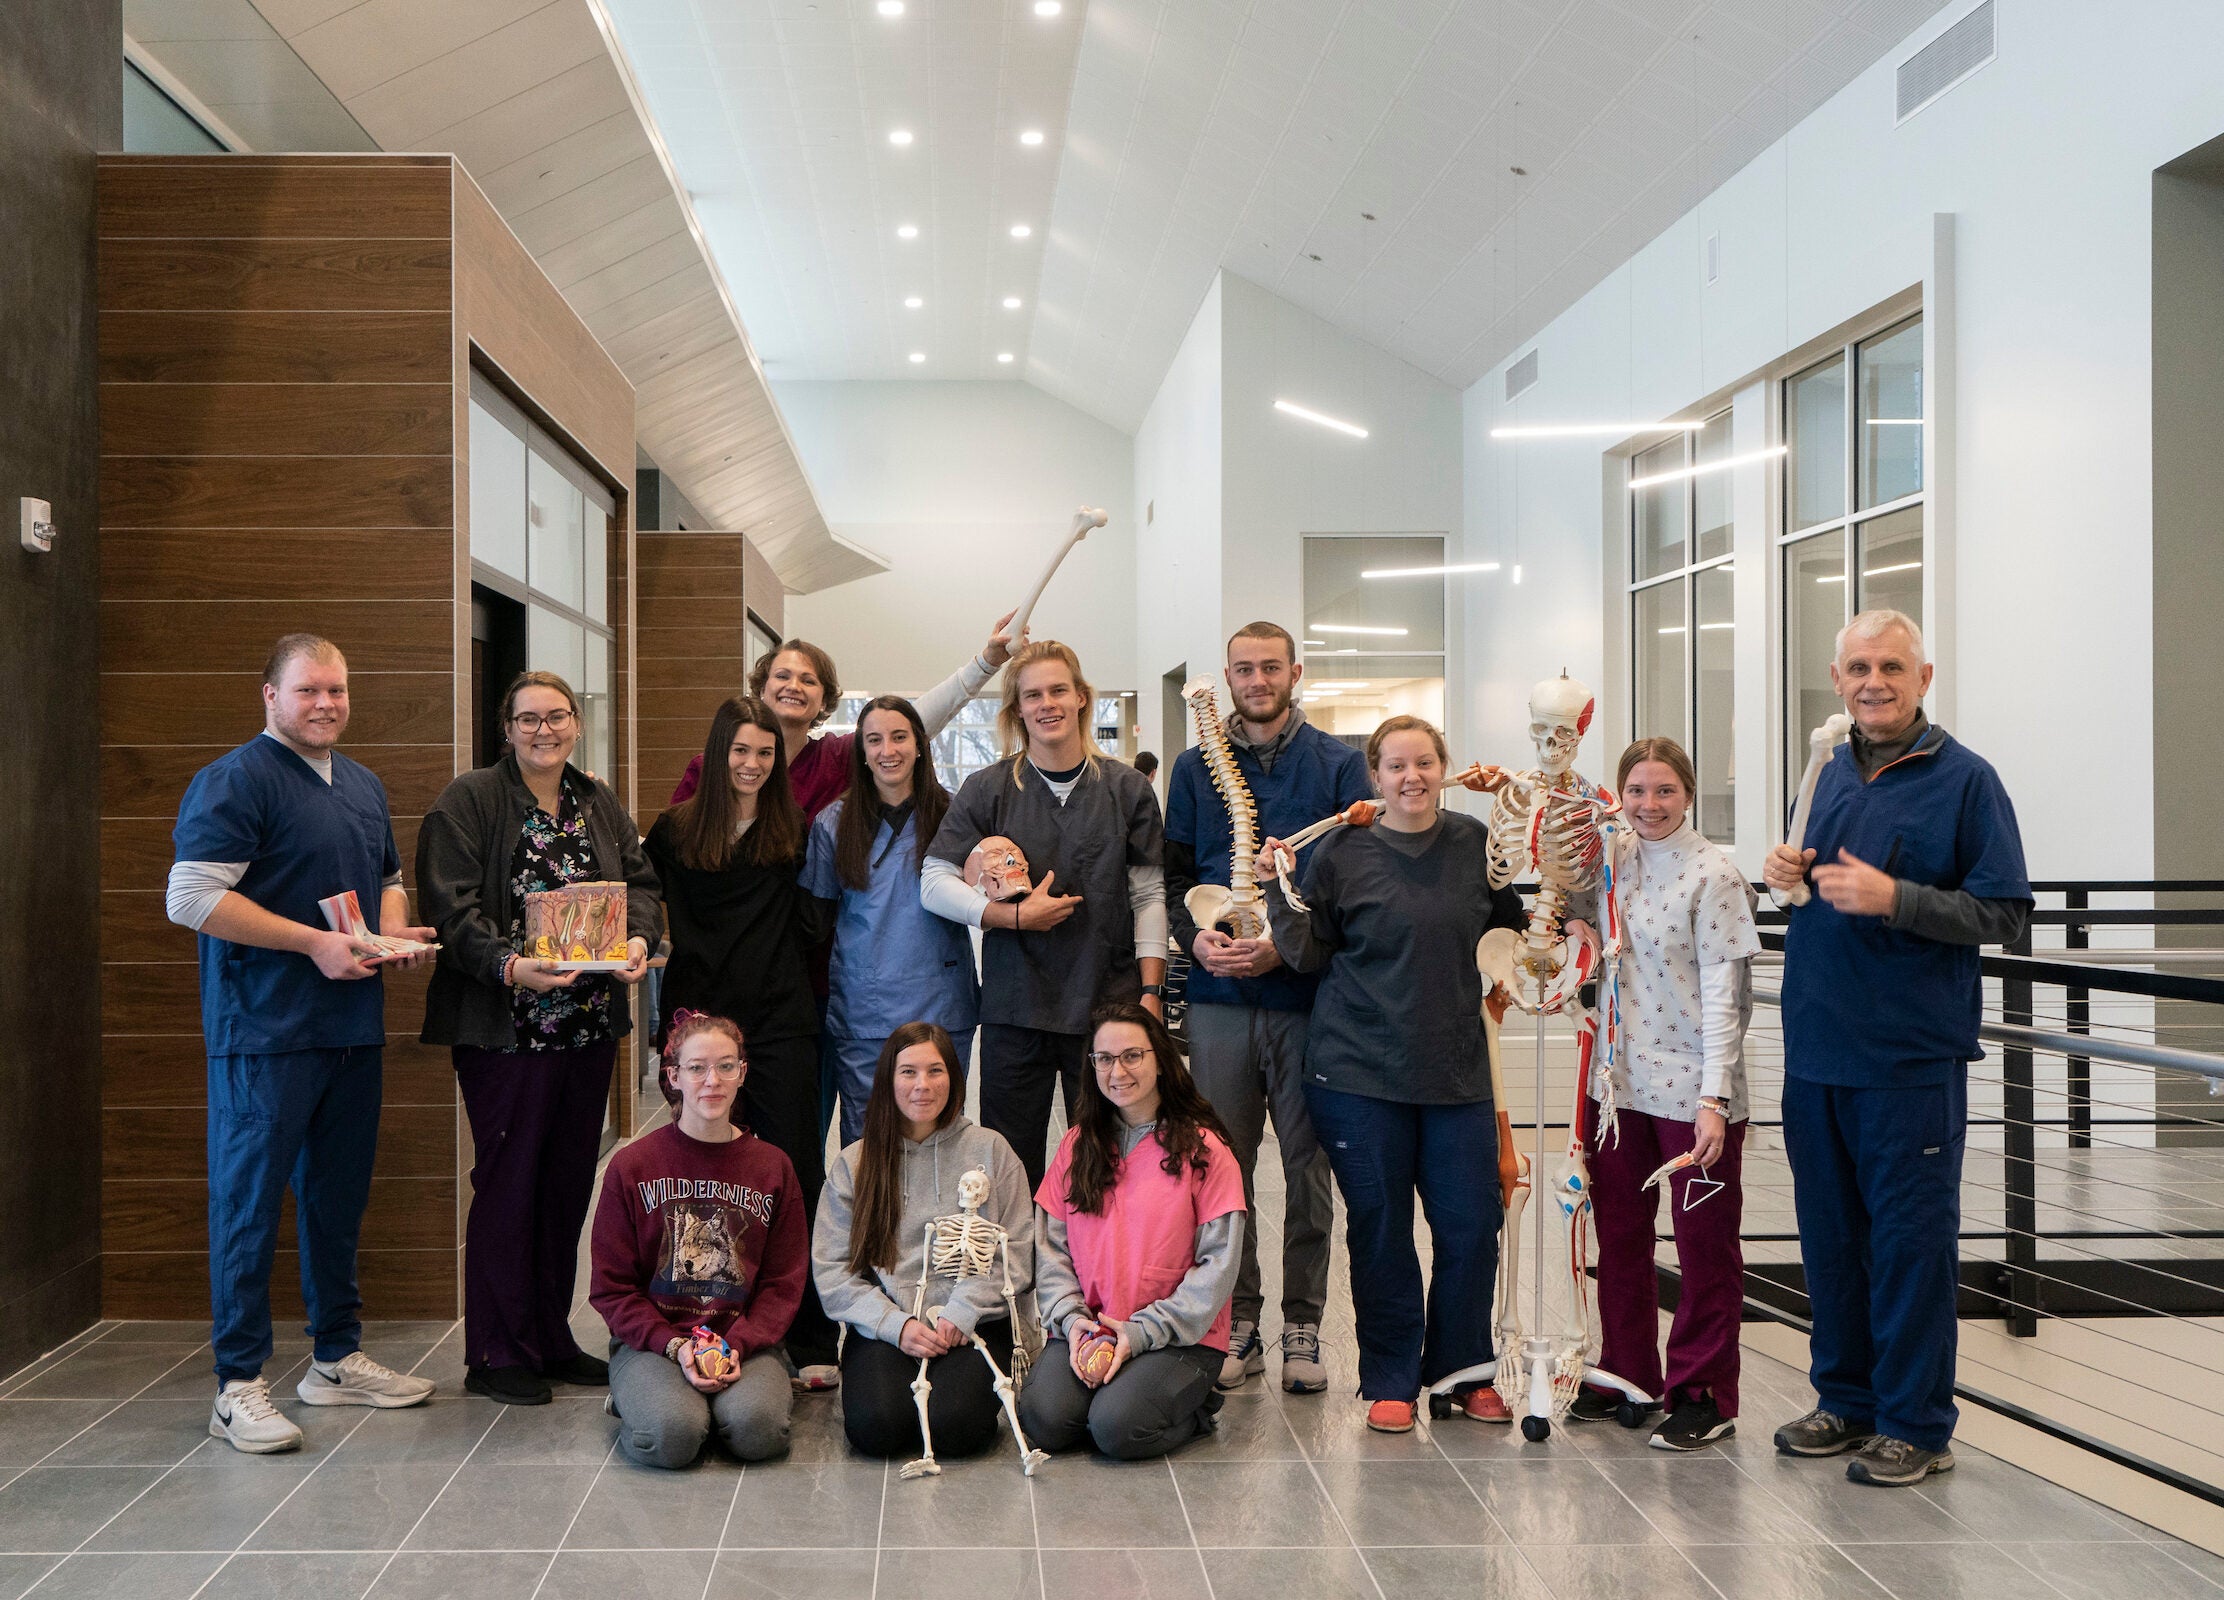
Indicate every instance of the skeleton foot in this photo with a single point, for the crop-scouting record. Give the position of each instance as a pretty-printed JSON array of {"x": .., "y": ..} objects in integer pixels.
[
  {"x": 1030, "y": 1459},
  {"x": 924, "y": 1467}
]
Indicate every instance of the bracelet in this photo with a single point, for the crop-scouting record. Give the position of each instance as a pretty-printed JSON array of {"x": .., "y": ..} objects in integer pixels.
[{"x": 509, "y": 965}]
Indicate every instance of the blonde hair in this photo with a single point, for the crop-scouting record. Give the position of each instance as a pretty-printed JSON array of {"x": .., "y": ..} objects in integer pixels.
[{"x": 1011, "y": 729}]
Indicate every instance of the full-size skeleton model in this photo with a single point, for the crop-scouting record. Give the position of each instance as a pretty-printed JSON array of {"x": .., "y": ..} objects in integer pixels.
[
  {"x": 1239, "y": 903},
  {"x": 1550, "y": 821},
  {"x": 963, "y": 1245}
]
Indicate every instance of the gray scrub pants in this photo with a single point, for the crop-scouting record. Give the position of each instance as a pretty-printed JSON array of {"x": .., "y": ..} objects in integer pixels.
[
  {"x": 1248, "y": 1061},
  {"x": 664, "y": 1421}
]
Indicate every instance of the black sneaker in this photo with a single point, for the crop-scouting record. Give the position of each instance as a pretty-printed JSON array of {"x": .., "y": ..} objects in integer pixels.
[
  {"x": 512, "y": 1386},
  {"x": 1693, "y": 1426},
  {"x": 590, "y": 1372},
  {"x": 1594, "y": 1405},
  {"x": 1822, "y": 1433},
  {"x": 1895, "y": 1464}
]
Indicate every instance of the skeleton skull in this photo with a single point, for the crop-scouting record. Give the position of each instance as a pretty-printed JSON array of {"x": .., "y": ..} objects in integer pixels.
[
  {"x": 1559, "y": 715},
  {"x": 998, "y": 868},
  {"x": 973, "y": 1190}
]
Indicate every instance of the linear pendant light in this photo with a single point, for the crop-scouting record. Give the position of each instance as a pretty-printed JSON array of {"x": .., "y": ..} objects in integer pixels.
[
  {"x": 1429, "y": 572},
  {"x": 1579, "y": 430},
  {"x": 1351, "y": 428},
  {"x": 1724, "y": 465}
]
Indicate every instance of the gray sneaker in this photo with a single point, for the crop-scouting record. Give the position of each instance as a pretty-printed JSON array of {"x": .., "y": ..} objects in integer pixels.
[
  {"x": 1302, "y": 1372},
  {"x": 1246, "y": 1357},
  {"x": 356, "y": 1380},
  {"x": 249, "y": 1420},
  {"x": 1821, "y": 1433},
  {"x": 1895, "y": 1464}
]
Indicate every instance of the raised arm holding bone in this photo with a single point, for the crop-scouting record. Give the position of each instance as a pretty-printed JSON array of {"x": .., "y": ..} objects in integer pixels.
[{"x": 1085, "y": 519}]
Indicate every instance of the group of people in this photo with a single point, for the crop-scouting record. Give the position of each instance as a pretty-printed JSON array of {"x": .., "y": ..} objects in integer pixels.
[{"x": 820, "y": 892}]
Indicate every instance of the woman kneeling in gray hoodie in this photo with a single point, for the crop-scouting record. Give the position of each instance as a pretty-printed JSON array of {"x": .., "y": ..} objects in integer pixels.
[{"x": 869, "y": 1247}]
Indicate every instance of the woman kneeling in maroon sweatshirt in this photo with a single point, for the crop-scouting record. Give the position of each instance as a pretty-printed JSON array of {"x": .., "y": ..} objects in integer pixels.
[{"x": 701, "y": 1226}]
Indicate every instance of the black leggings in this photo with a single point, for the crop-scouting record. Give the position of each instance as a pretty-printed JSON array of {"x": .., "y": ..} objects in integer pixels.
[
  {"x": 780, "y": 1102},
  {"x": 1158, "y": 1401},
  {"x": 882, "y": 1419}
]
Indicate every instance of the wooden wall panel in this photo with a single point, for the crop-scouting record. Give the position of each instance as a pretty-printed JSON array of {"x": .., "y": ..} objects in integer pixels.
[
  {"x": 689, "y": 652},
  {"x": 285, "y": 347}
]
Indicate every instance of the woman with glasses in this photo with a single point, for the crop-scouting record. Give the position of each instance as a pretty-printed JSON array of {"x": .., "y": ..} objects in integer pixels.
[
  {"x": 701, "y": 1251},
  {"x": 533, "y": 1046},
  {"x": 868, "y": 1252},
  {"x": 1138, "y": 1235},
  {"x": 730, "y": 859}
]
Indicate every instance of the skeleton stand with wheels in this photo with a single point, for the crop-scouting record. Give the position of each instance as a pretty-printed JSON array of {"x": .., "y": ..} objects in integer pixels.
[
  {"x": 1551, "y": 821},
  {"x": 964, "y": 1245}
]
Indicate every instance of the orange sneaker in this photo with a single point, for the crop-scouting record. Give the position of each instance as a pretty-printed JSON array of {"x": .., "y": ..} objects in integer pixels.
[
  {"x": 1391, "y": 1416},
  {"x": 1484, "y": 1404}
]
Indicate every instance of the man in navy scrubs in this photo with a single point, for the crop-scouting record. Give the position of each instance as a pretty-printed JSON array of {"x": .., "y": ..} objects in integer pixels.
[
  {"x": 294, "y": 1015},
  {"x": 1915, "y": 861}
]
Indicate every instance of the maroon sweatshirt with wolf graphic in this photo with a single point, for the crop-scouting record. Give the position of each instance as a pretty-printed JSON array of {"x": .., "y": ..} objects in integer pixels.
[{"x": 688, "y": 1233}]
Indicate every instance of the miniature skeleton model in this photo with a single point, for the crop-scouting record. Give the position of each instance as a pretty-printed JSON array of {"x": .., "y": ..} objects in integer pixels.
[
  {"x": 1820, "y": 744},
  {"x": 1550, "y": 821},
  {"x": 964, "y": 1245},
  {"x": 1238, "y": 903},
  {"x": 1086, "y": 518},
  {"x": 998, "y": 868}
]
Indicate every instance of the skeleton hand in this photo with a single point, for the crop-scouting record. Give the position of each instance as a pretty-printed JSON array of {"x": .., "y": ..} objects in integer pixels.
[
  {"x": 1785, "y": 869},
  {"x": 1000, "y": 644},
  {"x": 1854, "y": 887},
  {"x": 1041, "y": 909}
]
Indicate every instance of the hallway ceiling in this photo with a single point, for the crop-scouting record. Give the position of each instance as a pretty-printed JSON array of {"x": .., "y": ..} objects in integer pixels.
[{"x": 1353, "y": 156}]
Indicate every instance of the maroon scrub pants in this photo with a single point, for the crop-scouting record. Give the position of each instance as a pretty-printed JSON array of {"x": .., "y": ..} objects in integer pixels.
[{"x": 1703, "y": 1338}]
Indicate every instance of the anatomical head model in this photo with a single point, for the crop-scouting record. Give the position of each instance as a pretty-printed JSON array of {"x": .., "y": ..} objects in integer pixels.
[{"x": 998, "y": 868}]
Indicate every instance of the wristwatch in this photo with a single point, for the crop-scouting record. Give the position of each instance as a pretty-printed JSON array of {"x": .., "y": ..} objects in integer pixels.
[{"x": 1157, "y": 991}]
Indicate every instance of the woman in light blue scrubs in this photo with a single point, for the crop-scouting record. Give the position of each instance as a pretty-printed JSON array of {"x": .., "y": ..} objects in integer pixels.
[{"x": 894, "y": 961}]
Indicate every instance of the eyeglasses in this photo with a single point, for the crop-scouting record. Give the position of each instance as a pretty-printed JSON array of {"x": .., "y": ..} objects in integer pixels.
[
  {"x": 1105, "y": 1060},
  {"x": 699, "y": 1070},
  {"x": 533, "y": 721}
]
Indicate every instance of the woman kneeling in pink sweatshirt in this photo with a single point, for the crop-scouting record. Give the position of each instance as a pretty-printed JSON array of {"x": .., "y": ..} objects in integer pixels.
[{"x": 701, "y": 1244}]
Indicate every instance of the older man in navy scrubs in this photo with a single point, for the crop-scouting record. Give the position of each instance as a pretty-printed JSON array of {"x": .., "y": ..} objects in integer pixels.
[
  {"x": 294, "y": 1016},
  {"x": 1915, "y": 860}
]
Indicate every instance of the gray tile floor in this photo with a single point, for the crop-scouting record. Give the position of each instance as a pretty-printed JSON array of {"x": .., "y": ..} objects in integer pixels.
[{"x": 110, "y": 1485}]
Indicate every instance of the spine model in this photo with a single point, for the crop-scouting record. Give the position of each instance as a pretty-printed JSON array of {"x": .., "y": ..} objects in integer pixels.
[{"x": 1239, "y": 906}]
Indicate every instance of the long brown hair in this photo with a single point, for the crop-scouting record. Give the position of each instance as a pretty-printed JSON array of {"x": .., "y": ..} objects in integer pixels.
[
  {"x": 1669, "y": 754},
  {"x": 703, "y": 824},
  {"x": 821, "y": 663},
  {"x": 878, "y": 1204},
  {"x": 1184, "y": 1115},
  {"x": 853, "y": 835},
  {"x": 1011, "y": 727}
]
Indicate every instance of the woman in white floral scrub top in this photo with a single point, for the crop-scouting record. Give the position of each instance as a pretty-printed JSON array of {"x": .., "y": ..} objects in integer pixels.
[{"x": 1679, "y": 1081}]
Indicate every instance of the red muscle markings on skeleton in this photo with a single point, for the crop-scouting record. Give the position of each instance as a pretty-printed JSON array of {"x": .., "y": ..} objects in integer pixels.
[{"x": 998, "y": 868}]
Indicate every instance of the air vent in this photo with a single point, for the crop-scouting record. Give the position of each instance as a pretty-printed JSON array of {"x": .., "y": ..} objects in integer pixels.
[
  {"x": 1945, "y": 61},
  {"x": 1521, "y": 377},
  {"x": 1714, "y": 256}
]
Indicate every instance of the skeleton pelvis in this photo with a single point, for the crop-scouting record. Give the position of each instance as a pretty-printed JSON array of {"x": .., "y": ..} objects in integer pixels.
[
  {"x": 1534, "y": 986},
  {"x": 1212, "y": 905}
]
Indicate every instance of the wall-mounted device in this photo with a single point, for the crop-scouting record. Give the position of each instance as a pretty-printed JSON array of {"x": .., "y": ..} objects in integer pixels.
[{"x": 38, "y": 526}]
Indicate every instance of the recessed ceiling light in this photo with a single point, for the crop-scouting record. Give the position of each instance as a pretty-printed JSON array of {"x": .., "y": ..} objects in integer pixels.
[
  {"x": 907, "y": 231},
  {"x": 1011, "y": 302},
  {"x": 918, "y": 356},
  {"x": 1031, "y": 136},
  {"x": 912, "y": 302},
  {"x": 899, "y": 136},
  {"x": 1004, "y": 356},
  {"x": 890, "y": 8},
  {"x": 1020, "y": 230},
  {"x": 1047, "y": 8}
]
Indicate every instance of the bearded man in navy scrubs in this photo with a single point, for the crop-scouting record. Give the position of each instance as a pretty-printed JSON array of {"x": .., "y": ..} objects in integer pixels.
[
  {"x": 294, "y": 1016},
  {"x": 1915, "y": 861}
]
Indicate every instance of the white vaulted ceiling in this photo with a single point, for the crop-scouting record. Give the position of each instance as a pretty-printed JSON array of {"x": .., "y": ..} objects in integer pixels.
[{"x": 1353, "y": 156}]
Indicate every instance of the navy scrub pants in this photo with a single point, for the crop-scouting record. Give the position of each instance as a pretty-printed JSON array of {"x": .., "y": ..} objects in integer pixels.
[
  {"x": 1383, "y": 1152},
  {"x": 1876, "y": 1182},
  {"x": 308, "y": 1120}
]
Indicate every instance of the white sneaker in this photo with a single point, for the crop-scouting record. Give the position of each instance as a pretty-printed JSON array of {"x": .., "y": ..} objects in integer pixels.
[
  {"x": 818, "y": 1378},
  {"x": 1246, "y": 1357},
  {"x": 250, "y": 1420},
  {"x": 1302, "y": 1372},
  {"x": 356, "y": 1380}
]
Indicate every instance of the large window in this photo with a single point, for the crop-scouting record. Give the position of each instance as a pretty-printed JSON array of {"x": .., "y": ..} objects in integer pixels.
[
  {"x": 1853, "y": 511},
  {"x": 540, "y": 543},
  {"x": 1682, "y": 628}
]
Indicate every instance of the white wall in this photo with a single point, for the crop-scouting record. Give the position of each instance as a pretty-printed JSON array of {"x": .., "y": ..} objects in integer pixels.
[
  {"x": 1178, "y": 482},
  {"x": 2043, "y": 161},
  {"x": 966, "y": 488}
]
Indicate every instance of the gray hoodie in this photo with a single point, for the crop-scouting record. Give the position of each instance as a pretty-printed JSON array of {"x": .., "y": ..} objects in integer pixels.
[{"x": 876, "y": 1304}]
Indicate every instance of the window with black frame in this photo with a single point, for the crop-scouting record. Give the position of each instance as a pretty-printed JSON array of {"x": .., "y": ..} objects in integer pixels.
[
  {"x": 1682, "y": 627},
  {"x": 1853, "y": 535}
]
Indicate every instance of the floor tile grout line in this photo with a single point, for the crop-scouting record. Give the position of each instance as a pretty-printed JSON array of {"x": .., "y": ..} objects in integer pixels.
[
  {"x": 732, "y": 1505},
  {"x": 561, "y": 1539},
  {"x": 1034, "y": 1521},
  {"x": 1196, "y": 1549},
  {"x": 1599, "y": 1467},
  {"x": 1513, "y": 1543},
  {"x": 38, "y": 1368},
  {"x": 880, "y": 1531},
  {"x": 323, "y": 1461},
  {"x": 105, "y": 1415},
  {"x": 1337, "y": 1511}
]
